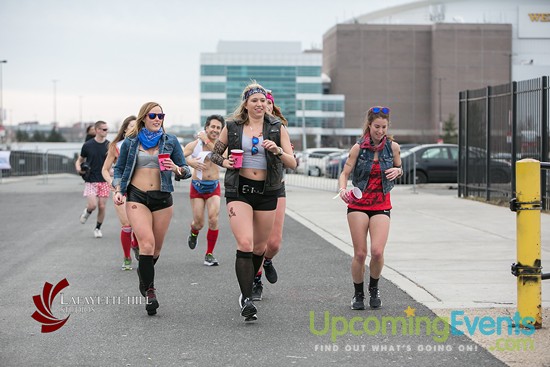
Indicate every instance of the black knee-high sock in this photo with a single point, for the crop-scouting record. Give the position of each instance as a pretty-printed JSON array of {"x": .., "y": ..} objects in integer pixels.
[
  {"x": 257, "y": 260},
  {"x": 373, "y": 283},
  {"x": 147, "y": 270},
  {"x": 244, "y": 268},
  {"x": 359, "y": 288}
]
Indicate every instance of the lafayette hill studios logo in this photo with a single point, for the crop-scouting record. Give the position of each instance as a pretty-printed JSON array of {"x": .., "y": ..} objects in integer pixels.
[{"x": 44, "y": 307}]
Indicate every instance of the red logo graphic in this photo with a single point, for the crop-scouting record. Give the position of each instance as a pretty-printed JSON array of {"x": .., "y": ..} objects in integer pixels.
[{"x": 44, "y": 306}]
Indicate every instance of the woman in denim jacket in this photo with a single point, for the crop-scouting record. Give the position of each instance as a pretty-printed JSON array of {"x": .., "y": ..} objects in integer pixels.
[
  {"x": 374, "y": 163},
  {"x": 146, "y": 182}
]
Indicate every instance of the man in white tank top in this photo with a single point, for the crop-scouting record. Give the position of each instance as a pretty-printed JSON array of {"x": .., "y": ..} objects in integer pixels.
[{"x": 205, "y": 189}]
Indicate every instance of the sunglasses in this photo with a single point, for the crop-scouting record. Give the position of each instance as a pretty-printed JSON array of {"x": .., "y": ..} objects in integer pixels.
[
  {"x": 255, "y": 141},
  {"x": 152, "y": 116},
  {"x": 384, "y": 110},
  {"x": 104, "y": 129}
]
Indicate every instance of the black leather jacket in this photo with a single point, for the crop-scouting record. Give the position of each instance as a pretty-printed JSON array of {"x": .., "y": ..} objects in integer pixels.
[{"x": 274, "y": 176}]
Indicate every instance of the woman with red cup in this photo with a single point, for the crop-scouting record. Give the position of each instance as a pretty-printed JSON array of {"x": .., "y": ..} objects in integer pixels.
[
  {"x": 148, "y": 190},
  {"x": 376, "y": 163},
  {"x": 251, "y": 191}
]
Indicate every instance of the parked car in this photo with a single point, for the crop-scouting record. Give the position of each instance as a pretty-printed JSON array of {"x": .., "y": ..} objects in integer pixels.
[
  {"x": 404, "y": 147},
  {"x": 311, "y": 161},
  {"x": 439, "y": 163},
  {"x": 335, "y": 163}
]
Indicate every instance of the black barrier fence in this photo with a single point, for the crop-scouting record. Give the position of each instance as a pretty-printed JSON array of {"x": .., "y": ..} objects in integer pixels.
[
  {"x": 498, "y": 126},
  {"x": 25, "y": 163}
]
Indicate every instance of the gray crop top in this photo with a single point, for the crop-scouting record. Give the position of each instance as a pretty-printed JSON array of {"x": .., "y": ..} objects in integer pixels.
[
  {"x": 258, "y": 160},
  {"x": 146, "y": 160}
]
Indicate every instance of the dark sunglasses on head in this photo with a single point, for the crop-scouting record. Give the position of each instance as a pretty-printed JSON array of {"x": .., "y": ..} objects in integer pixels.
[
  {"x": 255, "y": 141},
  {"x": 152, "y": 116},
  {"x": 384, "y": 110}
]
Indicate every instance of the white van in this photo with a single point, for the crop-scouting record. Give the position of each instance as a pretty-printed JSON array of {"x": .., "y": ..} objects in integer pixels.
[{"x": 312, "y": 162}]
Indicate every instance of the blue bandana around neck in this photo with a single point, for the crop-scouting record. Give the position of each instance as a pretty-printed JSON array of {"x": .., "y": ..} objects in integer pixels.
[{"x": 149, "y": 139}]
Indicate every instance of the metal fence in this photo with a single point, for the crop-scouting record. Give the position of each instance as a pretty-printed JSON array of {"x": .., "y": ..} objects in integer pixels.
[
  {"x": 25, "y": 163},
  {"x": 498, "y": 126}
]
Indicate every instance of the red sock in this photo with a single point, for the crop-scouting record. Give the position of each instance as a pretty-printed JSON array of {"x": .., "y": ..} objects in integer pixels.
[
  {"x": 194, "y": 231},
  {"x": 211, "y": 238},
  {"x": 126, "y": 240},
  {"x": 259, "y": 273}
]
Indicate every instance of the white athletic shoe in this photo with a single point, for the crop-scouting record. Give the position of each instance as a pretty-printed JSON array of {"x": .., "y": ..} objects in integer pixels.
[{"x": 97, "y": 233}]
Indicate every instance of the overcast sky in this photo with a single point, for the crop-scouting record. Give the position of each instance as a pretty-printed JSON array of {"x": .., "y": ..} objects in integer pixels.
[{"x": 109, "y": 57}]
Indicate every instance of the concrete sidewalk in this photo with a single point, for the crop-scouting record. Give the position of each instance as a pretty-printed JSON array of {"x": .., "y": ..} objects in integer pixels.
[
  {"x": 444, "y": 251},
  {"x": 447, "y": 253}
]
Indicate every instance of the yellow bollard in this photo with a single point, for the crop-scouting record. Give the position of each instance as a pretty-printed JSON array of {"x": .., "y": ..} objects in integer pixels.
[{"x": 528, "y": 207}]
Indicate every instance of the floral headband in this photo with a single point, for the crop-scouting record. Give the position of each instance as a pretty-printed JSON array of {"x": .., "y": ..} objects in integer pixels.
[{"x": 254, "y": 91}]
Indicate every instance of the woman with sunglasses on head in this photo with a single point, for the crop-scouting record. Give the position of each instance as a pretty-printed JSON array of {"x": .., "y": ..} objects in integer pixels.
[
  {"x": 126, "y": 230},
  {"x": 147, "y": 184},
  {"x": 251, "y": 191},
  {"x": 374, "y": 163},
  {"x": 274, "y": 241}
]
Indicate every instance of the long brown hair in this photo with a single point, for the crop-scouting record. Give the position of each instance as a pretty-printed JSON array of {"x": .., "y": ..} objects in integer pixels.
[
  {"x": 122, "y": 131},
  {"x": 143, "y": 111},
  {"x": 277, "y": 110},
  {"x": 240, "y": 115},
  {"x": 371, "y": 116}
]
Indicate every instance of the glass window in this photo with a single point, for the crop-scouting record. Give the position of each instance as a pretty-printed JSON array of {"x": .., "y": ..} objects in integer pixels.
[
  {"x": 209, "y": 70},
  {"x": 308, "y": 71},
  {"x": 213, "y": 104},
  {"x": 207, "y": 87},
  {"x": 435, "y": 153},
  {"x": 309, "y": 88}
]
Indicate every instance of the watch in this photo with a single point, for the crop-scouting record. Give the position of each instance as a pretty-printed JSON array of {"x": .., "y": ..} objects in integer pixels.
[{"x": 280, "y": 152}]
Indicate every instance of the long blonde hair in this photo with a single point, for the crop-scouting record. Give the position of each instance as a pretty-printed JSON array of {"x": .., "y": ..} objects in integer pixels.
[
  {"x": 143, "y": 111},
  {"x": 240, "y": 115}
]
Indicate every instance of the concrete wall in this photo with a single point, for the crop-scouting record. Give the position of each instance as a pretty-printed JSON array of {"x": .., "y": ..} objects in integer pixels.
[{"x": 403, "y": 67}]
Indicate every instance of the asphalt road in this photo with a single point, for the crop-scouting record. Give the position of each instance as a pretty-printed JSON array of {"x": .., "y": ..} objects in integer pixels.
[{"x": 198, "y": 322}]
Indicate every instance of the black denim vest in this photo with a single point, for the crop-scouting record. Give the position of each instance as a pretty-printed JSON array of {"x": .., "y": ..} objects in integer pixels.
[{"x": 272, "y": 131}]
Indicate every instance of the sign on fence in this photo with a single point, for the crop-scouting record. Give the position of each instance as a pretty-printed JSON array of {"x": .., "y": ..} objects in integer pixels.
[{"x": 5, "y": 159}]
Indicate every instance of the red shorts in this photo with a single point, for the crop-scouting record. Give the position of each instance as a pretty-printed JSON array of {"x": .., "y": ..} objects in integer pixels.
[{"x": 194, "y": 194}]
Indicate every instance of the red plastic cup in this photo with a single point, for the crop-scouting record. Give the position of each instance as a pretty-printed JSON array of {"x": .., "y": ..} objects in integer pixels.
[
  {"x": 355, "y": 194},
  {"x": 162, "y": 157},
  {"x": 237, "y": 155}
]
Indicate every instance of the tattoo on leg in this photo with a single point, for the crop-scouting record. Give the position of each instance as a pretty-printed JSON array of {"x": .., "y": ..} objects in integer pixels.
[
  {"x": 134, "y": 206},
  {"x": 232, "y": 213}
]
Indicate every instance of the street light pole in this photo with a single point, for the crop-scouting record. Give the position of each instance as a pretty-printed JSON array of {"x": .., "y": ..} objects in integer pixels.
[
  {"x": 1, "y": 95},
  {"x": 54, "y": 100},
  {"x": 304, "y": 137}
]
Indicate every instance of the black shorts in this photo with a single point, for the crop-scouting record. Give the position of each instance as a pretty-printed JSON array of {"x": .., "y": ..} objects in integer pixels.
[
  {"x": 251, "y": 192},
  {"x": 282, "y": 192},
  {"x": 370, "y": 213},
  {"x": 154, "y": 200}
]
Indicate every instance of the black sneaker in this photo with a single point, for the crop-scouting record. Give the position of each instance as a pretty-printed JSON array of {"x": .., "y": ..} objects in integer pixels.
[
  {"x": 248, "y": 310},
  {"x": 152, "y": 303},
  {"x": 358, "y": 302},
  {"x": 142, "y": 286},
  {"x": 257, "y": 289},
  {"x": 270, "y": 272},
  {"x": 192, "y": 240},
  {"x": 374, "y": 300}
]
